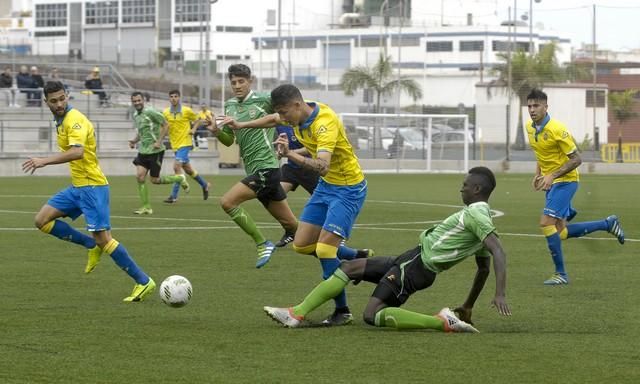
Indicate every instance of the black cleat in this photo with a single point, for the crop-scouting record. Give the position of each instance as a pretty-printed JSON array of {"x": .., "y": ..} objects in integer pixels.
[
  {"x": 205, "y": 192},
  {"x": 364, "y": 253},
  {"x": 286, "y": 239},
  {"x": 337, "y": 319},
  {"x": 170, "y": 200}
]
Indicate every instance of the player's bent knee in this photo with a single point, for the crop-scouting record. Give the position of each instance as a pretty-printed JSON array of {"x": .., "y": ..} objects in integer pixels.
[
  {"x": 309, "y": 249},
  {"x": 369, "y": 317},
  {"x": 155, "y": 180}
]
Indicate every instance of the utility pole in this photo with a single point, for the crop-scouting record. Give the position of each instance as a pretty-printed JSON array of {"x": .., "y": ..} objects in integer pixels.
[{"x": 279, "y": 39}]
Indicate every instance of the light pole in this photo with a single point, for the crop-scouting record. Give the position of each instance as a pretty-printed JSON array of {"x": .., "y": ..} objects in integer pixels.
[
  {"x": 383, "y": 47},
  {"x": 180, "y": 14},
  {"x": 531, "y": 50}
]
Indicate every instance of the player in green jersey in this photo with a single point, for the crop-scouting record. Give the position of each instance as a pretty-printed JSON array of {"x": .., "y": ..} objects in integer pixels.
[
  {"x": 468, "y": 232},
  {"x": 260, "y": 162},
  {"x": 151, "y": 128}
]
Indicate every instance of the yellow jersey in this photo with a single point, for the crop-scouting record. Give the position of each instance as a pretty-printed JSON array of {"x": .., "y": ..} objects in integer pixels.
[
  {"x": 552, "y": 143},
  {"x": 323, "y": 132},
  {"x": 202, "y": 115},
  {"x": 180, "y": 120},
  {"x": 74, "y": 129}
]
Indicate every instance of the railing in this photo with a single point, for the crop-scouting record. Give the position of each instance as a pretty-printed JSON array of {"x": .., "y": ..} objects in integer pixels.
[
  {"x": 629, "y": 153},
  {"x": 37, "y": 136}
]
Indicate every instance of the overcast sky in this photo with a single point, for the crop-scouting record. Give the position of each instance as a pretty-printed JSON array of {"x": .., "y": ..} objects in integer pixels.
[{"x": 617, "y": 21}]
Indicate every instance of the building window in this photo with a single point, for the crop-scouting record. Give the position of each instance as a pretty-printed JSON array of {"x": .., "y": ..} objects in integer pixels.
[
  {"x": 405, "y": 41},
  {"x": 303, "y": 44},
  {"x": 439, "y": 46},
  {"x": 267, "y": 44},
  {"x": 503, "y": 46},
  {"x": 138, "y": 11},
  {"x": 233, "y": 28},
  {"x": 371, "y": 42},
  {"x": 472, "y": 46},
  {"x": 600, "y": 99},
  {"x": 191, "y": 10},
  {"x": 101, "y": 12},
  {"x": 51, "y": 15},
  {"x": 229, "y": 57},
  {"x": 190, "y": 29},
  {"x": 49, "y": 33}
]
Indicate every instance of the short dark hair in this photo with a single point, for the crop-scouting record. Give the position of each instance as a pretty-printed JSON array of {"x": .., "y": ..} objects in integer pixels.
[
  {"x": 174, "y": 92},
  {"x": 537, "y": 94},
  {"x": 51, "y": 87},
  {"x": 136, "y": 93},
  {"x": 239, "y": 70},
  {"x": 487, "y": 180},
  {"x": 284, "y": 94}
]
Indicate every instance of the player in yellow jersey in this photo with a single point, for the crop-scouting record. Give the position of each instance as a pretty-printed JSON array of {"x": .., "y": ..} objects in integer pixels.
[
  {"x": 183, "y": 122},
  {"x": 88, "y": 194},
  {"x": 331, "y": 212},
  {"x": 204, "y": 115},
  {"x": 557, "y": 173}
]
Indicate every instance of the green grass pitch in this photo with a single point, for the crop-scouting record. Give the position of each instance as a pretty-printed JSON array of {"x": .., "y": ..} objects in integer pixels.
[{"x": 59, "y": 325}]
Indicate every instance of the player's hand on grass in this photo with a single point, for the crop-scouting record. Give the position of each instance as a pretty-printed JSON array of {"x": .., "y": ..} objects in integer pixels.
[
  {"x": 282, "y": 145},
  {"x": 464, "y": 314},
  {"x": 32, "y": 164},
  {"x": 500, "y": 304}
]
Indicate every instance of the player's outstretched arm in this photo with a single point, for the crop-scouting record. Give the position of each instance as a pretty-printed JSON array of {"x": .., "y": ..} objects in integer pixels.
[
  {"x": 492, "y": 243},
  {"x": 33, "y": 163},
  {"x": 268, "y": 121},
  {"x": 465, "y": 310}
]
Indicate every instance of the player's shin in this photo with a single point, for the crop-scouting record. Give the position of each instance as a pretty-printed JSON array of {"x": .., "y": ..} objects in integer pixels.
[
  {"x": 399, "y": 318},
  {"x": 64, "y": 231},
  {"x": 123, "y": 260},
  {"x": 323, "y": 292}
]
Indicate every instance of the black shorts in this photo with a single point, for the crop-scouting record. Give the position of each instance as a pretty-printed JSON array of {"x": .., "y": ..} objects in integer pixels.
[
  {"x": 152, "y": 162},
  {"x": 398, "y": 277},
  {"x": 298, "y": 176},
  {"x": 266, "y": 184}
]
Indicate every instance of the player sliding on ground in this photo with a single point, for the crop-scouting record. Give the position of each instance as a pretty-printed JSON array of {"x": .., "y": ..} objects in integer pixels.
[{"x": 468, "y": 232}]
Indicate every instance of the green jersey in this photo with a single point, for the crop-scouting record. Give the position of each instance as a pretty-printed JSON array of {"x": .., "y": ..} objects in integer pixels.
[
  {"x": 148, "y": 123},
  {"x": 459, "y": 236},
  {"x": 256, "y": 145}
]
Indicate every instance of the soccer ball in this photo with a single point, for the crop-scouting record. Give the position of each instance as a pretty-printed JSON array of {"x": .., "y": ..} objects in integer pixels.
[{"x": 176, "y": 291}]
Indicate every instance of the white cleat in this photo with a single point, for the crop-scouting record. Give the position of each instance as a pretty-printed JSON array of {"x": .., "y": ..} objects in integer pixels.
[
  {"x": 284, "y": 316},
  {"x": 453, "y": 324}
]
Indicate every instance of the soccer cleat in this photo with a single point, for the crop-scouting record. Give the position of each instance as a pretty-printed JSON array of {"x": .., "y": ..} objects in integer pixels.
[
  {"x": 205, "y": 191},
  {"x": 337, "y": 319},
  {"x": 143, "y": 211},
  {"x": 453, "y": 324},
  {"x": 94, "y": 258},
  {"x": 140, "y": 291},
  {"x": 265, "y": 251},
  {"x": 364, "y": 253},
  {"x": 284, "y": 316},
  {"x": 615, "y": 228},
  {"x": 557, "y": 279},
  {"x": 184, "y": 184},
  {"x": 286, "y": 239},
  {"x": 170, "y": 200}
]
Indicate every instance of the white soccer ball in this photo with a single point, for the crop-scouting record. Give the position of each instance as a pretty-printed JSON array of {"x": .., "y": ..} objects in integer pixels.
[{"x": 176, "y": 291}]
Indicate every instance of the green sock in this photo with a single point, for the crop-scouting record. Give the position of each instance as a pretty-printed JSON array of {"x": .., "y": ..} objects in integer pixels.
[
  {"x": 322, "y": 293},
  {"x": 143, "y": 192},
  {"x": 170, "y": 179},
  {"x": 402, "y": 319},
  {"x": 244, "y": 221}
]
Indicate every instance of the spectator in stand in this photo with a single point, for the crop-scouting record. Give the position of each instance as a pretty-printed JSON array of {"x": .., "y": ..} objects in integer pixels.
[
  {"x": 6, "y": 82},
  {"x": 38, "y": 82},
  {"x": 25, "y": 83},
  {"x": 94, "y": 83}
]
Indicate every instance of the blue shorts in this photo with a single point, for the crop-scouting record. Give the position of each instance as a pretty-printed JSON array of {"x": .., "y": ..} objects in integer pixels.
[
  {"x": 182, "y": 154},
  {"x": 558, "y": 199},
  {"x": 335, "y": 207},
  {"x": 90, "y": 201}
]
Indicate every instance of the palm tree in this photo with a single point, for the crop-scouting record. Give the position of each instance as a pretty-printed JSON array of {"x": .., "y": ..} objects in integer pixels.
[
  {"x": 380, "y": 79},
  {"x": 622, "y": 104},
  {"x": 528, "y": 72}
]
